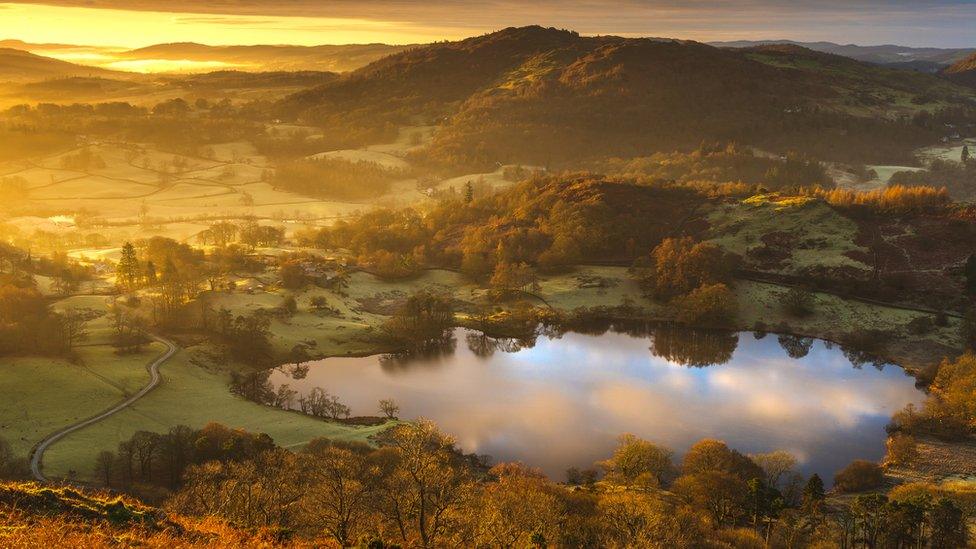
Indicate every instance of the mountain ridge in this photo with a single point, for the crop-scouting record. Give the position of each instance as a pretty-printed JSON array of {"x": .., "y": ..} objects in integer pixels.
[{"x": 534, "y": 95}]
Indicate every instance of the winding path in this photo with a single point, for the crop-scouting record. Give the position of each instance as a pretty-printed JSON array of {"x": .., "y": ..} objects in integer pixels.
[{"x": 37, "y": 452}]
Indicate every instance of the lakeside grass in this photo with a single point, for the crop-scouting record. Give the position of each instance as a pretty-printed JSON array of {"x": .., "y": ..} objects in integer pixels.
[{"x": 190, "y": 395}]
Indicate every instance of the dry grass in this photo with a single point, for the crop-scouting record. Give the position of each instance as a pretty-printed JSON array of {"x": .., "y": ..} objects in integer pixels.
[{"x": 33, "y": 515}]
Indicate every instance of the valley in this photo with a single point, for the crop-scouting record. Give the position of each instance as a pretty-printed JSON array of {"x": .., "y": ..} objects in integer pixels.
[{"x": 558, "y": 247}]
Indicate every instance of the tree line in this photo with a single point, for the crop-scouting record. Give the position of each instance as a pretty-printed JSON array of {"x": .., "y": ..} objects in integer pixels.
[{"x": 417, "y": 489}]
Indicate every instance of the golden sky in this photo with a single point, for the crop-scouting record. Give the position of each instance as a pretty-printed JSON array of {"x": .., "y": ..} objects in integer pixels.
[
  {"x": 135, "y": 23},
  {"x": 137, "y": 28}
]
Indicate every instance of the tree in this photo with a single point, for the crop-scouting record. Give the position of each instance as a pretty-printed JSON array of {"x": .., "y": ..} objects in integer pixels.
[
  {"x": 519, "y": 509},
  {"x": 709, "y": 304},
  {"x": 639, "y": 462},
  {"x": 389, "y": 408},
  {"x": 634, "y": 519},
  {"x": 901, "y": 449},
  {"x": 775, "y": 464},
  {"x": 714, "y": 455},
  {"x": 341, "y": 484},
  {"x": 73, "y": 322},
  {"x": 424, "y": 484},
  {"x": 469, "y": 192},
  {"x": 681, "y": 265},
  {"x": 509, "y": 277},
  {"x": 859, "y": 476},
  {"x": 127, "y": 270},
  {"x": 964, "y": 157},
  {"x": 722, "y": 495},
  {"x": 814, "y": 493},
  {"x": 284, "y": 397},
  {"x": 948, "y": 525},
  {"x": 105, "y": 467},
  {"x": 422, "y": 321}
]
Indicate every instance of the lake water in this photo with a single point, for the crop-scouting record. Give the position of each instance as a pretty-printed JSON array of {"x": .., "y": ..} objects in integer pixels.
[{"x": 562, "y": 400}]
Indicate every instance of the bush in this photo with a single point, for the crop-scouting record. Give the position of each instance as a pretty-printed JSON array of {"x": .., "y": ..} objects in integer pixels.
[
  {"x": 920, "y": 326},
  {"x": 798, "y": 302},
  {"x": 859, "y": 476}
]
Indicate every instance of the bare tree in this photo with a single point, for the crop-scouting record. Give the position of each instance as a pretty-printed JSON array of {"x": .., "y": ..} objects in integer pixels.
[{"x": 389, "y": 408}]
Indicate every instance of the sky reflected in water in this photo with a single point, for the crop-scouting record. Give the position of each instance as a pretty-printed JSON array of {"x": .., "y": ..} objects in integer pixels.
[{"x": 563, "y": 402}]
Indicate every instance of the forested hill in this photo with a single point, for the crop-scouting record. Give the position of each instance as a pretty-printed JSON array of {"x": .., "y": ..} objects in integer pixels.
[{"x": 547, "y": 96}]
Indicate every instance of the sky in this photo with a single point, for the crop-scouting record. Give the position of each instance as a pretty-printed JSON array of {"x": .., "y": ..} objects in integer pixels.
[{"x": 135, "y": 23}]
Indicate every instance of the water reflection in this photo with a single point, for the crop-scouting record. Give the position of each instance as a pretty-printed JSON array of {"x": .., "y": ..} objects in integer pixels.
[{"x": 560, "y": 399}]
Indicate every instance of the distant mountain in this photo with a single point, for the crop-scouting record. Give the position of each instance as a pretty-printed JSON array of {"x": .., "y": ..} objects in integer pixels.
[
  {"x": 963, "y": 71},
  {"x": 267, "y": 58},
  {"x": 22, "y": 66},
  {"x": 920, "y": 59},
  {"x": 544, "y": 96}
]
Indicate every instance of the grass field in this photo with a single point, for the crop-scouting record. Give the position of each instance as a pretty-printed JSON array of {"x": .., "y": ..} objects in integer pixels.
[
  {"x": 191, "y": 395},
  {"x": 800, "y": 233},
  {"x": 143, "y": 191},
  {"x": 46, "y": 394}
]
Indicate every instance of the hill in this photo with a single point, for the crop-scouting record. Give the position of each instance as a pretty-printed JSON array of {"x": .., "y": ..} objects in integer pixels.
[
  {"x": 265, "y": 58},
  {"x": 32, "y": 515},
  {"x": 924, "y": 59},
  {"x": 544, "y": 96},
  {"x": 21, "y": 66},
  {"x": 963, "y": 72}
]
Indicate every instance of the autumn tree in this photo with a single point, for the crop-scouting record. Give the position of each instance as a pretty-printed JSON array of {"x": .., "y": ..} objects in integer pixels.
[
  {"x": 424, "y": 485},
  {"x": 519, "y": 509},
  {"x": 637, "y": 462},
  {"x": 341, "y": 483},
  {"x": 680, "y": 265},
  {"x": 713, "y": 304}
]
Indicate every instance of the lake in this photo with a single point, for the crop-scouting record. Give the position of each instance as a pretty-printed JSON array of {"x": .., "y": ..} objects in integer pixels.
[{"x": 561, "y": 400}]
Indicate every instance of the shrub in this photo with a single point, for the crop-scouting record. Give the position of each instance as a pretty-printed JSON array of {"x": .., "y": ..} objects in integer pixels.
[
  {"x": 921, "y": 325},
  {"x": 798, "y": 302},
  {"x": 859, "y": 476}
]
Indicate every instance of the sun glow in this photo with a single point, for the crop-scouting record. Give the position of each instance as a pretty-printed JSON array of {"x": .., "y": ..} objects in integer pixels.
[{"x": 133, "y": 29}]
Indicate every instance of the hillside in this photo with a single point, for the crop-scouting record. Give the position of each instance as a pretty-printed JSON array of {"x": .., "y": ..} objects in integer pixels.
[
  {"x": 32, "y": 515},
  {"x": 924, "y": 59},
  {"x": 963, "y": 72},
  {"x": 339, "y": 58},
  {"x": 551, "y": 97},
  {"x": 20, "y": 66}
]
